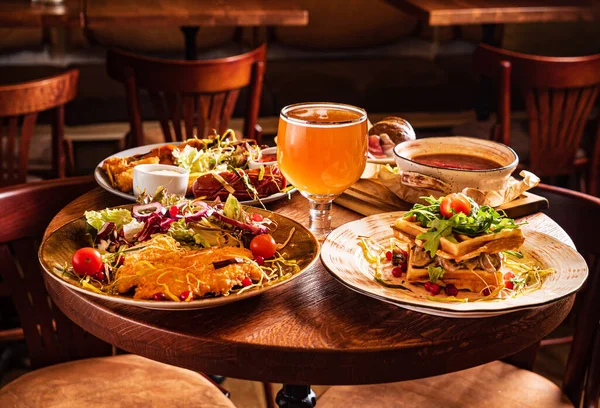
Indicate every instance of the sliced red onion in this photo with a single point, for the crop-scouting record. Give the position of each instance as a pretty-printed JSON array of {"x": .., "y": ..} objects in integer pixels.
[
  {"x": 201, "y": 213},
  {"x": 255, "y": 229},
  {"x": 143, "y": 211},
  {"x": 106, "y": 229}
]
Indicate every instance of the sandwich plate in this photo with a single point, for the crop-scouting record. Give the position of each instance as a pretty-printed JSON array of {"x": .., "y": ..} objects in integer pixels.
[
  {"x": 102, "y": 178},
  {"x": 344, "y": 259}
]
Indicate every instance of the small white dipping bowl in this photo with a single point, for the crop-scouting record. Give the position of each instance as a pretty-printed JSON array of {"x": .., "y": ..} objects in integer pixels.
[
  {"x": 457, "y": 180},
  {"x": 255, "y": 164},
  {"x": 148, "y": 177}
]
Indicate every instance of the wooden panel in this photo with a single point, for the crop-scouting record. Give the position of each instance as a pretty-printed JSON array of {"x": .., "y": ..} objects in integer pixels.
[
  {"x": 456, "y": 12},
  {"x": 157, "y": 13}
]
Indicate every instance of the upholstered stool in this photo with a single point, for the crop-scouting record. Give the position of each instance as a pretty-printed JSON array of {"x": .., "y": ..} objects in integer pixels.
[
  {"x": 126, "y": 381},
  {"x": 491, "y": 385}
]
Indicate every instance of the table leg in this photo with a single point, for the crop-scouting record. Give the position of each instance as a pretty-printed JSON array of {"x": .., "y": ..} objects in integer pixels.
[
  {"x": 296, "y": 396},
  {"x": 485, "y": 85},
  {"x": 190, "y": 32}
]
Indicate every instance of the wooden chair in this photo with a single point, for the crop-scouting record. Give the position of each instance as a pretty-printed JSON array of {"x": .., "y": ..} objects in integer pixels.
[
  {"x": 201, "y": 93},
  {"x": 19, "y": 107},
  {"x": 499, "y": 384},
  {"x": 54, "y": 341},
  {"x": 559, "y": 93}
]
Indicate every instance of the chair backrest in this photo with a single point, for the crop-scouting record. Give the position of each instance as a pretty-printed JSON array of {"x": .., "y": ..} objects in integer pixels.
[
  {"x": 577, "y": 214},
  {"x": 201, "y": 93},
  {"x": 19, "y": 108},
  {"x": 559, "y": 93},
  {"x": 26, "y": 211}
]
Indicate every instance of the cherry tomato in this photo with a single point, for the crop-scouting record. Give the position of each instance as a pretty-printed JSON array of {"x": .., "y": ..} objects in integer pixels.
[
  {"x": 509, "y": 285},
  {"x": 256, "y": 217},
  {"x": 508, "y": 276},
  {"x": 453, "y": 204},
  {"x": 87, "y": 261},
  {"x": 263, "y": 245}
]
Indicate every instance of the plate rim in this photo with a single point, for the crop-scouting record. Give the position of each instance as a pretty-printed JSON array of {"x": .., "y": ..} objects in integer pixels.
[
  {"x": 401, "y": 303},
  {"x": 99, "y": 177},
  {"x": 176, "y": 306}
]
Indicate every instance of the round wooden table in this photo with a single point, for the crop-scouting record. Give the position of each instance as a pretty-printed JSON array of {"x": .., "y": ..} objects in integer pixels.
[{"x": 310, "y": 331}]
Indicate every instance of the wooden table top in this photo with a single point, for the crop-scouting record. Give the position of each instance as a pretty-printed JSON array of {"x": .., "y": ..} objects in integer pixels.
[
  {"x": 454, "y": 12},
  {"x": 203, "y": 13},
  {"x": 25, "y": 13},
  {"x": 310, "y": 331}
]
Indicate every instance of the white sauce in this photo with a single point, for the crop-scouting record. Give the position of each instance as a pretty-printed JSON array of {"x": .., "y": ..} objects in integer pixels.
[{"x": 166, "y": 173}]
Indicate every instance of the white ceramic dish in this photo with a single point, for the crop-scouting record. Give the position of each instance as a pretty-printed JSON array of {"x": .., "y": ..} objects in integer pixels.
[
  {"x": 148, "y": 177},
  {"x": 103, "y": 181},
  {"x": 252, "y": 164},
  {"x": 344, "y": 259},
  {"x": 457, "y": 180}
]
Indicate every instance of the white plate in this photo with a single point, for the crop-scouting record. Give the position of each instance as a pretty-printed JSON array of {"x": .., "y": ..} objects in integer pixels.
[
  {"x": 103, "y": 181},
  {"x": 344, "y": 259}
]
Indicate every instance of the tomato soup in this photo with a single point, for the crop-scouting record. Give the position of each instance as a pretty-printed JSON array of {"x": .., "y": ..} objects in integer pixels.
[{"x": 456, "y": 161}]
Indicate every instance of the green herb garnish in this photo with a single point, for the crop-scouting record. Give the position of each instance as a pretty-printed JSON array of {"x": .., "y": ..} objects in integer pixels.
[{"x": 435, "y": 273}]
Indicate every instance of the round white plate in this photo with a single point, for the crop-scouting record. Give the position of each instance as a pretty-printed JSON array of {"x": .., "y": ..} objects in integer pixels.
[
  {"x": 103, "y": 181},
  {"x": 344, "y": 259}
]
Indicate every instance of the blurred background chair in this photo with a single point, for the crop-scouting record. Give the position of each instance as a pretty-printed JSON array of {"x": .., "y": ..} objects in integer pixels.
[
  {"x": 53, "y": 341},
  {"x": 559, "y": 94},
  {"x": 500, "y": 384},
  {"x": 202, "y": 94},
  {"x": 20, "y": 105}
]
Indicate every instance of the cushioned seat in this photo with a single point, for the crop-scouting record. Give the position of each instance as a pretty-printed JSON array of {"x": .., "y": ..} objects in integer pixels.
[
  {"x": 120, "y": 381},
  {"x": 491, "y": 385}
]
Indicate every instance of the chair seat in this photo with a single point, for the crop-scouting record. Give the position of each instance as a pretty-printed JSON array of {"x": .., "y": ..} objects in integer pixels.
[
  {"x": 491, "y": 385},
  {"x": 120, "y": 381}
]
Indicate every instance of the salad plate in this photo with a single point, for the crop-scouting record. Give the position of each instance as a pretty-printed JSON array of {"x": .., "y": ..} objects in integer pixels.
[
  {"x": 344, "y": 258},
  {"x": 299, "y": 251},
  {"x": 104, "y": 182}
]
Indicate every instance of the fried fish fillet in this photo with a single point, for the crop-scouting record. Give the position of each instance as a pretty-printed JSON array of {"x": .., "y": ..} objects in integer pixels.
[{"x": 159, "y": 269}]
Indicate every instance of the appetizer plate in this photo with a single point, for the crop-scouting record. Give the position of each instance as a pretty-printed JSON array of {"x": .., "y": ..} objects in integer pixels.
[
  {"x": 59, "y": 246},
  {"x": 102, "y": 178},
  {"x": 344, "y": 259}
]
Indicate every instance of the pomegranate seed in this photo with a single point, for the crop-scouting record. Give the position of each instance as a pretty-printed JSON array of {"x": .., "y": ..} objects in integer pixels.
[
  {"x": 509, "y": 275},
  {"x": 486, "y": 292},
  {"x": 451, "y": 290},
  {"x": 428, "y": 286},
  {"x": 509, "y": 285},
  {"x": 100, "y": 275},
  {"x": 403, "y": 252},
  {"x": 159, "y": 296},
  {"x": 173, "y": 211},
  {"x": 246, "y": 282},
  {"x": 434, "y": 289},
  {"x": 185, "y": 295},
  {"x": 259, "y": 260},
  {"x": 389, "y": 255},
  {"x": 397, "y": 272},
  {"x": 256, "y": 217}
]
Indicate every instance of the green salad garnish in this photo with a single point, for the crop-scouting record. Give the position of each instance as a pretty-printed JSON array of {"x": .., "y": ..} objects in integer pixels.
[{"x": 481, "y": 220}]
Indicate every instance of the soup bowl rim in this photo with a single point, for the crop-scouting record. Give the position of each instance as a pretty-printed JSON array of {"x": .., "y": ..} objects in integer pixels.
[{"x": 512, "y": 164}]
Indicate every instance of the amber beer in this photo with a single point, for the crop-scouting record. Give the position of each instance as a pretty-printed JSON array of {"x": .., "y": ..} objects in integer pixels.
[{"x": 322, "y": 148}]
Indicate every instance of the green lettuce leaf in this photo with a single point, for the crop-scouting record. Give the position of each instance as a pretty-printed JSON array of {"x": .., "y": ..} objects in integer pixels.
[
  {"x": 233, "y": 209},
  {"x": 431, "y": 238},
  {"x": 435, "y": 273},
  {"x": 118, "y": 216},
  {"x": 182, "y": 232}
]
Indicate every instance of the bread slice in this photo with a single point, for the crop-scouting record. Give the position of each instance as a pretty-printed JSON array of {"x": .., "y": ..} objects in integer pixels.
[{"x": 466, "y": 247}]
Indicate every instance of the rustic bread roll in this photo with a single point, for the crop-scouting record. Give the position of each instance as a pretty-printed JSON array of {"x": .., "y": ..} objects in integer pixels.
[{"x": 398, "y": 129}]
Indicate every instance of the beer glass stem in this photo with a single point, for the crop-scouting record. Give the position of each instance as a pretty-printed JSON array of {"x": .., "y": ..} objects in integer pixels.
[{"x": 320, "y": 218}]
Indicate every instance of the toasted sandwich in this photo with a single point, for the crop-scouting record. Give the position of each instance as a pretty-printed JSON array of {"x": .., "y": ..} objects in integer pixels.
[{"x": 470, "y": 261}]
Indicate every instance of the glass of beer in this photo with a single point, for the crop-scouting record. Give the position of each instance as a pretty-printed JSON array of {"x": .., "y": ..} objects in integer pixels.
[{"x": 322, "y": 150}]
